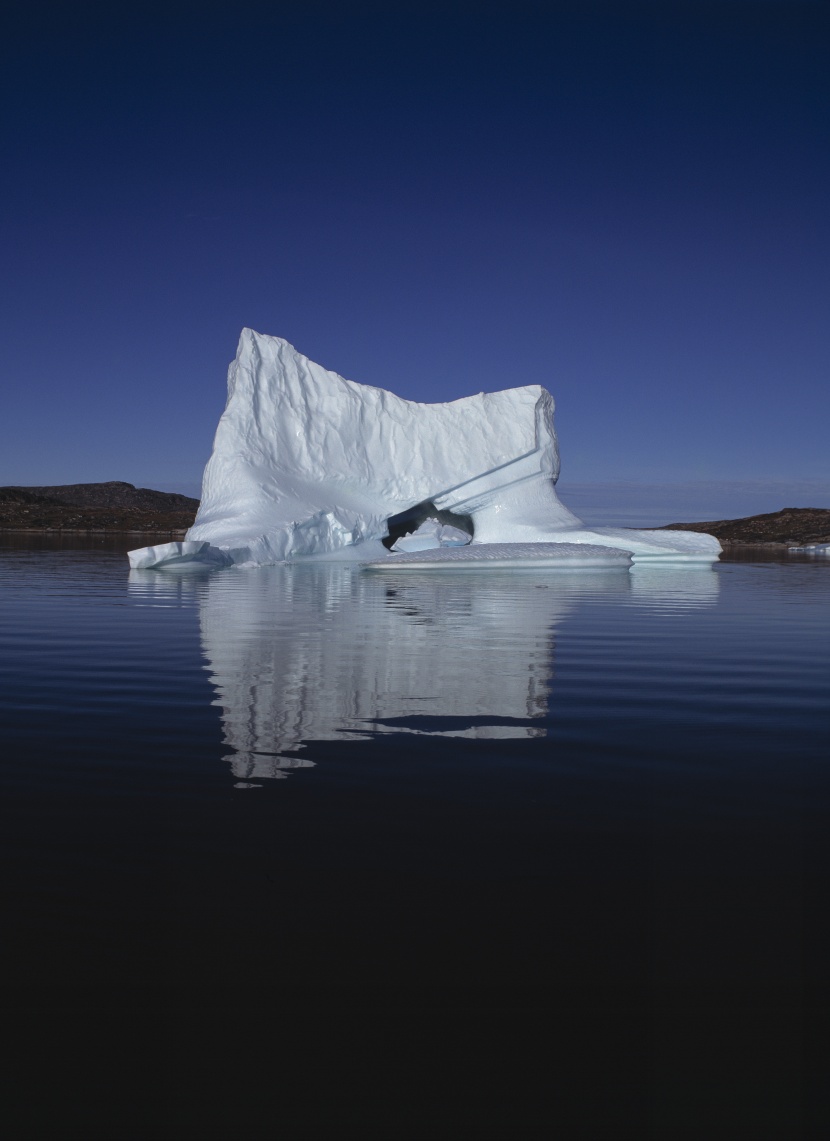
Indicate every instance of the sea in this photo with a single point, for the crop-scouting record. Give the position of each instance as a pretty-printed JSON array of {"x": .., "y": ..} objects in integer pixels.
[{"x": 564, "y": 825}]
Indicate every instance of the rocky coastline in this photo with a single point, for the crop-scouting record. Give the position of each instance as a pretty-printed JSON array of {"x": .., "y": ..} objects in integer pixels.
[
  {"x": 105, "y": 508},
  {"x": 120, "y": 508},
  {"x": 790, "y": 527}
]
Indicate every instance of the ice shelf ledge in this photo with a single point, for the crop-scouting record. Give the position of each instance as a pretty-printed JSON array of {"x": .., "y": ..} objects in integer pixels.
[
  {"x": 532, "y": 556},
  {"x": 184, "y": 554},
  {"x": 308, "y": 465}
]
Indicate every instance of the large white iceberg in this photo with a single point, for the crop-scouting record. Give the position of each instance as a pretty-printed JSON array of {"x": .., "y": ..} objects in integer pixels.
[{"x": 308, "y": 464}]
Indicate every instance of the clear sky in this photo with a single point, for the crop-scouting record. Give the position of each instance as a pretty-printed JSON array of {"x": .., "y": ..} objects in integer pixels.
[{"x": 627, "y": 203}]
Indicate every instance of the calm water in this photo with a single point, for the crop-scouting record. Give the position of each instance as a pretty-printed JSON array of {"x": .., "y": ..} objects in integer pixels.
[{"x": 599, "y": 796}]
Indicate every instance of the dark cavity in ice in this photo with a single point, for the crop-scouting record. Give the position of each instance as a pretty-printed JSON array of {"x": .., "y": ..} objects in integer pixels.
[{"x": 411, "y": 519}]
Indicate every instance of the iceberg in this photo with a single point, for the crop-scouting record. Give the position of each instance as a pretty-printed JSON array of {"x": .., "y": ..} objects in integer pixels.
[{"x": 309, "y": 465}]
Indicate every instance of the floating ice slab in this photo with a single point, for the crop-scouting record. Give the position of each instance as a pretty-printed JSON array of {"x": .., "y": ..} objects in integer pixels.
[
  {"x": 486, "y": 556},
  {"x": 308, "y": 464},
  {"x": 179, "y": 556},
  {"x": 648, "y": 546}
]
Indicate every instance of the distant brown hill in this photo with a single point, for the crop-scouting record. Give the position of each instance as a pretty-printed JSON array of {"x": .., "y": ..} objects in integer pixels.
[
  {"x": 112, "y": 507},
  {"x": 792, "y": 525},
  {"x": 121, "y": 507}
]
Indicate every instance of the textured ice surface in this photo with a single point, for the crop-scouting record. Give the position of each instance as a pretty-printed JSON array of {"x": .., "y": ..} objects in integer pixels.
[
  {"x": 306, "y": 463},
  {"x": 453, "y": 537},
  {"x": 487, "y": 555}
]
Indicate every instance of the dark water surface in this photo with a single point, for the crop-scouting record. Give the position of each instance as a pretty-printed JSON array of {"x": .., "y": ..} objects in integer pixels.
[{"x": 586, "y": 809}]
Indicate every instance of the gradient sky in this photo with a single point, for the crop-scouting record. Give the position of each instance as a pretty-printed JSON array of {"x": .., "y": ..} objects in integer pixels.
[{"x": 627, "y": 203}]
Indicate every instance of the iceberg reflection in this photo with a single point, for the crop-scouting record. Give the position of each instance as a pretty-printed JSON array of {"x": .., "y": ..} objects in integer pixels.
[
  {"x": 301, "y": 653},
  {"x": 149, "y": 588},
  {"x": 674, "y": 586},
  {"x": 326, "y": 652}
]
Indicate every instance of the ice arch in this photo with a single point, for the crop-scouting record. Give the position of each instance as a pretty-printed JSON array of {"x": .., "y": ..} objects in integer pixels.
[{"x": 403, "y": 524}]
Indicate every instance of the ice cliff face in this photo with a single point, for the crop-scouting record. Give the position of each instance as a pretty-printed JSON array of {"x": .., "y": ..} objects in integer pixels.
[{"x": 306, "y": 463}]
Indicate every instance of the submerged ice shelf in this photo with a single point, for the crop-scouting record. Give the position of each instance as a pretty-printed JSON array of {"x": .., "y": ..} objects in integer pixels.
[
  {"x": 536, "y": 556},
  {"x": 308, "y": 465},
  {"x": 179, "y": 555}
]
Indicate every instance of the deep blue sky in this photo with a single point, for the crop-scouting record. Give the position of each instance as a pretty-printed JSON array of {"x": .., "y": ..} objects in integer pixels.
[{"x": 627, "y": 203}]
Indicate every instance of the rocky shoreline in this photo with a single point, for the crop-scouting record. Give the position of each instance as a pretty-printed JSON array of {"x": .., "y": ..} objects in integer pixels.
[
  {"x": 95, "y": 508},
  {"x": 120, "y": 508},
  {"x": 790, "y": 527}
]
